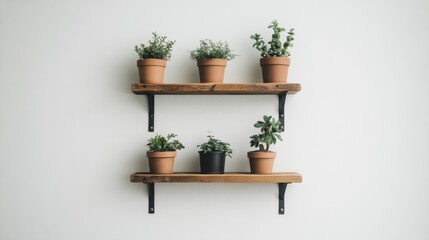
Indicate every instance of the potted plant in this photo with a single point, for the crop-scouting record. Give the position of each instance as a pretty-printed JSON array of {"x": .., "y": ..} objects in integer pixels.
[
  {"x": 211, "y": 60},
  {"x": 153, "y": 59},
  {"x": 162, "y": 152},
  {"x": 262, "y": 160},
  {"x": 213, "y": 154},
  {"x": 274, "y": 62}
]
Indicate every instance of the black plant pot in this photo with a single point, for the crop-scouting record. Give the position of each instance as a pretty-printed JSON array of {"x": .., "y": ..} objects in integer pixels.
[{"x": 212, "y": 162}]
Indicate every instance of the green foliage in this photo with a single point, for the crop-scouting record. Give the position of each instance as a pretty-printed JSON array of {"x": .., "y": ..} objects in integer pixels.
[
  {"x": 162, "y": 144},
  {"x": 270, "y": 132},
  {"x": 215, "y": 145},
  {"x": 209, "y": 50},
  {"x": 276, "y": 48},
  {"x": 158, "y": 48}
]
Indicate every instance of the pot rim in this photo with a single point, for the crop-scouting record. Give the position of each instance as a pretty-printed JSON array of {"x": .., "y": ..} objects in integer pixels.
[
  {"x": 261, "y": 154},
  {"x": 214, "y": 152},
  {"x": 274, "y": 61},
  {"x": 161, "y": 154},
  {"x": 212, "y": 62},
  {"x": 151, "y": 62}
]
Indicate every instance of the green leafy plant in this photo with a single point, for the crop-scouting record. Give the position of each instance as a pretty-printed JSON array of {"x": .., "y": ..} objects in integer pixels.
[
  {"x": 162, "y": 144},
  {"x": 215, "y": 145},
  {"x": 209, "y": 50},
  {"x": 276, "y": 47},
  {"x": 270, "y": 132},
  {"x": 158, "y": 48}
]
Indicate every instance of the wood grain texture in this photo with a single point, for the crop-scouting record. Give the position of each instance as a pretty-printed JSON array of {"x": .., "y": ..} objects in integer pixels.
[
  {"x": 284, "y": 177},
  {"x": 216, "y": 88}
]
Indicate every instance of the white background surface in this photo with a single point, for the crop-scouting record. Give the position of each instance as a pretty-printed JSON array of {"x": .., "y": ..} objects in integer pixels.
[{"x": 71, "y": 131}]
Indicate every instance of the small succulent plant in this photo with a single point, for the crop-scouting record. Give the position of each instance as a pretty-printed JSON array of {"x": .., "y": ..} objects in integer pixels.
[
  {"x": 215, "y": 145},
  {"x": 164, "y": 144},
  {"x": 275, "y": 48},
  {"x": 158, "y": 48},
  {"x": 209, "y": 50},
  {"x": 270, "y": 132}
]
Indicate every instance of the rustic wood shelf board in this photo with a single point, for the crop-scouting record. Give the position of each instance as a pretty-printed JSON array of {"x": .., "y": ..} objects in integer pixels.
[
  {"x": 282, "y": 179},
  {"x": 218, "y": 88},
  {"x": 287, "y": 177}
]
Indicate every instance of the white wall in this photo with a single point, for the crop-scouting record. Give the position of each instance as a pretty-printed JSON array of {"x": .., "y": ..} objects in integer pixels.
[{"x": 71, "y": 131}]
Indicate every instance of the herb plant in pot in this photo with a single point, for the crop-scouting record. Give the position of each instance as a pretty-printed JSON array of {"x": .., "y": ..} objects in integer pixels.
[
  {"x": 275, "y": 56},
  {"x": 213, "y": 154},
  {"x": 161, "y": 153},
  {"x": 262, "y": 160},
  {"x": 211, "y": 59},
  {"x": 153, "y": 59}
]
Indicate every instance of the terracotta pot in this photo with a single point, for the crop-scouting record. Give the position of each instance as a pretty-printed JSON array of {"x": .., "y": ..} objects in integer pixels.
[
  {"x": 261, "y": 162},
  {"x": 151, "y": 70},
  {"x": 211, "y": 70},
  {"x": 161, "y": 162},
  {"x": 275, "y": 69}
]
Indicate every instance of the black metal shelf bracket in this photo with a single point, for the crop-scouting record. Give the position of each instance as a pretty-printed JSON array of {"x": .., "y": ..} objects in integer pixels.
[
  {"x": 282, "y": 190},
  {"x": 151, "y": 191},
  {"x": 282, "y": 100},
  {"x": 151, "y": 103}
]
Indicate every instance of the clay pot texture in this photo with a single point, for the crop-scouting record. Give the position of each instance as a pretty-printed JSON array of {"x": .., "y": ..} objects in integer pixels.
[
  {"x": 212, "y": 162},
  {"x": 211, "y": 70},
  {"x": 261, "y": 162},
  {"x": 161, "y": 162},
  {"x": 275, "y": 69},
  {"x": 151, "y": 70}
]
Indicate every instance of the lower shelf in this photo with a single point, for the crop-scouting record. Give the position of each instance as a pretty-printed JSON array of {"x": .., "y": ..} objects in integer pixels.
[{"x": 283, "y": 179}]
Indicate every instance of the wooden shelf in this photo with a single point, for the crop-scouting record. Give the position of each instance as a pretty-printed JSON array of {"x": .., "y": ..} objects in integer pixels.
[
  {"x": 287, "y": 177},
  {"x": 216, "y": 88},
  {"x": 150, "y": 90},
  {"x": 283, "y": 179}
]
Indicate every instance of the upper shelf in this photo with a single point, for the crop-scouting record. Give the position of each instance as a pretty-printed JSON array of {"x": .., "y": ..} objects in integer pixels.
[
  {"x": 285, "y": 177},
  {"x": 216, "y": 88},
  {"x": 150, "y": 90}
]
